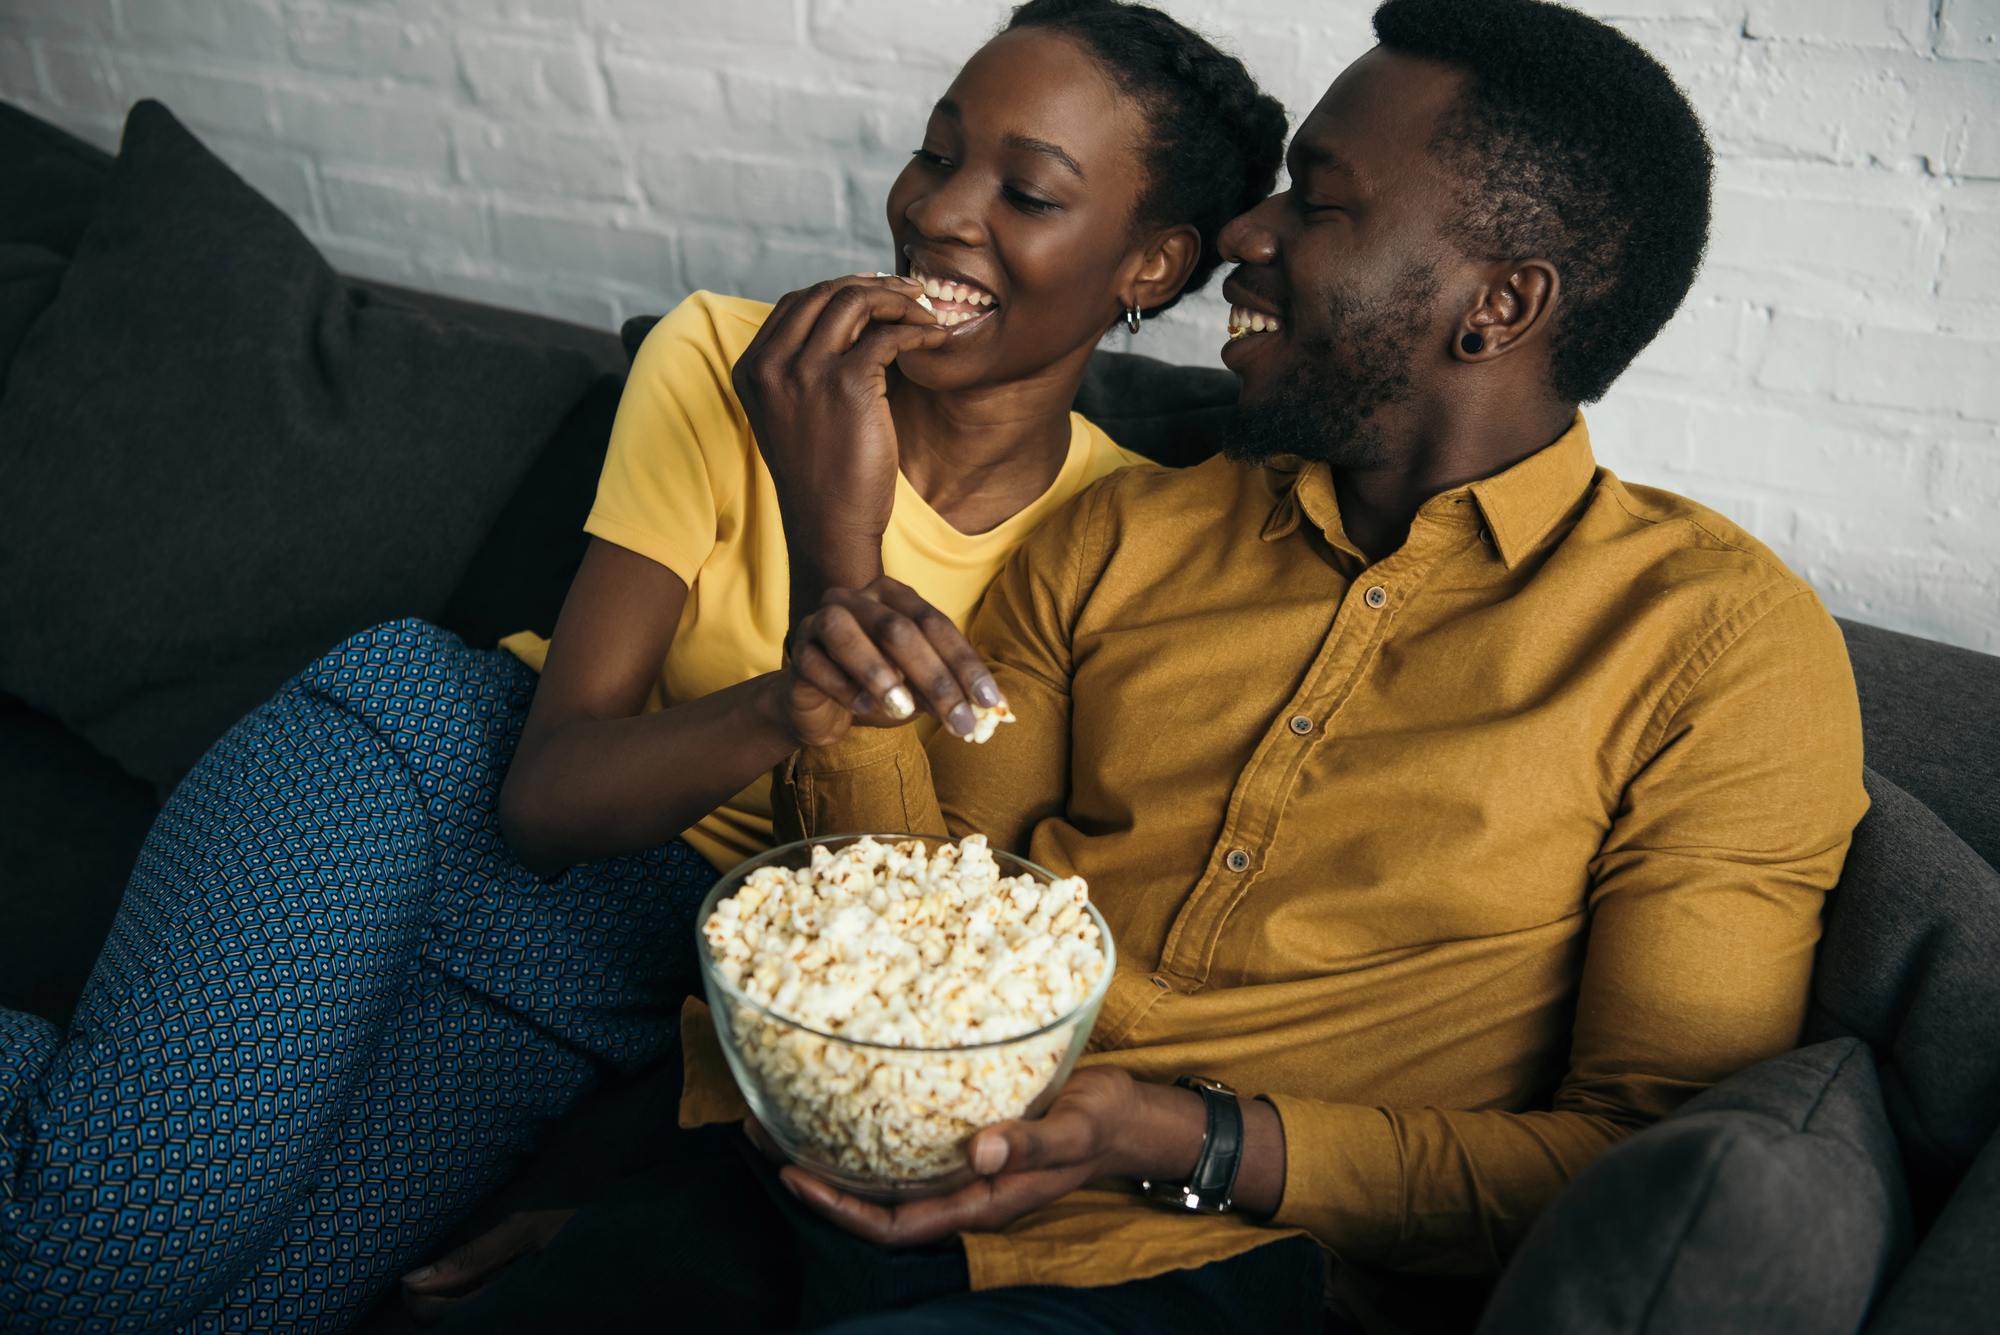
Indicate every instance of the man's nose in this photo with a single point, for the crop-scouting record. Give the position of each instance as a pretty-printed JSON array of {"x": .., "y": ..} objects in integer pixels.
[{"x": 1252, "y": 237}]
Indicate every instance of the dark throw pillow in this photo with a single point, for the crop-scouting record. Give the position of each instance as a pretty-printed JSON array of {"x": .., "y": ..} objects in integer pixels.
[
  {"x": 1952, "y": 1284},
  {"x": 1911, "y": 963},
  {"x": 1772, "y": 1204},
  {"x": 29, "y": 277},
  {"x": 216, "y": 460}
]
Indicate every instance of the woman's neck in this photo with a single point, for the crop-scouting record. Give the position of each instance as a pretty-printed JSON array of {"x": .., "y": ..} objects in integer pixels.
[{"x": 979, "y": 457}]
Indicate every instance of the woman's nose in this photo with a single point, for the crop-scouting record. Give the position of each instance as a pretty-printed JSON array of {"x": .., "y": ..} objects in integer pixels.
[
  {"x": 948, "y": 213},
  {"x": 1250, "y": 238}
]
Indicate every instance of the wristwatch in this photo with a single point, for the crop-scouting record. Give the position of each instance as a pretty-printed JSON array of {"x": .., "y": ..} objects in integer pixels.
[{"x": 1209, "y": 1188}]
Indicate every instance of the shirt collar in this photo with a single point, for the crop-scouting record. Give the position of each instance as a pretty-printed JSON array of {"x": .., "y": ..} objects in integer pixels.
[{"x": 1519, "y": 505}]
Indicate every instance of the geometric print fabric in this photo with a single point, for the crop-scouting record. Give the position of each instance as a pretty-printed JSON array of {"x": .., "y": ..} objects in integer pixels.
[{"x": 332, "y": 1012}]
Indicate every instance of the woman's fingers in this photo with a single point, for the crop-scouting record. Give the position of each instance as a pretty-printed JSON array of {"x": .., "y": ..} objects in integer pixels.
[
  {"x": 433, "y": 1290},
  {"x": 813, "y": 663},
  {"x": 848, "y": 312},
  {"x": 897, "y": 638},
  {"x": 946, "y": 640}
]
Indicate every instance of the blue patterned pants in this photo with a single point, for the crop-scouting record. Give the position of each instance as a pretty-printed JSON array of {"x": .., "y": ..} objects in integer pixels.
[{"x": 333, "y": 1012}]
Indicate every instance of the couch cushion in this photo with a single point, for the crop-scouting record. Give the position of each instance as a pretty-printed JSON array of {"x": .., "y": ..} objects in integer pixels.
[
  {"x": 1772, "y": 1203},
  {"x": 1911, "y": 963},
  {"x": 29, "y": 277},
  {"x": 216, "y": 460},
  {"x": 1930, "y": 716},
  {"x": 49, "y": 182},
  {"x": 1952, "y": 1285}
]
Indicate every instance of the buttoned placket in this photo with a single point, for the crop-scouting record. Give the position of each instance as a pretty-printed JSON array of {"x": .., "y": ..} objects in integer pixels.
[{"x": 1362, "y": 622}]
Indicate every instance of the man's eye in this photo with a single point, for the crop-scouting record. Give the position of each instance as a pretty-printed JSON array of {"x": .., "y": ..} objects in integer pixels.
[
  {"x": 1022, "y": 199},
  {"x": 930, "y": 159}
]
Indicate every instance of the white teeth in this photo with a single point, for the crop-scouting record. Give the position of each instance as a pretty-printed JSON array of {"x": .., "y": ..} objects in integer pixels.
[
  {"x": 931, "y": 288},
  {"x": 1242, "y": 321}
]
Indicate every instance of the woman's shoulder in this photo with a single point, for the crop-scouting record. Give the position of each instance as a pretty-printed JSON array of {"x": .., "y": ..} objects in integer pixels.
[{"x": 708, "y": 328}]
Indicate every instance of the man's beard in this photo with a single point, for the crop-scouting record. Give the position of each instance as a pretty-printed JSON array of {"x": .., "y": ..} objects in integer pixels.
[{"x": 1323, "y": 409}]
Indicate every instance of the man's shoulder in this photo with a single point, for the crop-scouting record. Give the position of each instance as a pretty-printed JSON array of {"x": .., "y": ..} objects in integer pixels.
[{"x": 1685, "y": 537}]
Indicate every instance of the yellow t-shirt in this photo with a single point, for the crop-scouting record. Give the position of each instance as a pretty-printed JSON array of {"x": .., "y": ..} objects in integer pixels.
[{"x": 684, "y": 484}]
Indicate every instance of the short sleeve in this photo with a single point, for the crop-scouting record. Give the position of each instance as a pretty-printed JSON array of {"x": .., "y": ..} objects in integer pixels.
[{"x": 681, "y": 445}]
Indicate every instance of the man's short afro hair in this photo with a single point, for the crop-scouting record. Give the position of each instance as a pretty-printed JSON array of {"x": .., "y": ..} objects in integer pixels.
[{"x": 1574, "y": 146}]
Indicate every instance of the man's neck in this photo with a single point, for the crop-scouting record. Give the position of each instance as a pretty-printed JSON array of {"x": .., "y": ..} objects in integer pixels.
[{"x": 1377, "y": 505}]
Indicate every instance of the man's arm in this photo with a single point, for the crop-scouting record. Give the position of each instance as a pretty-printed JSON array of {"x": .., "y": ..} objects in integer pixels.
[{"x": 1704, "y": 905}]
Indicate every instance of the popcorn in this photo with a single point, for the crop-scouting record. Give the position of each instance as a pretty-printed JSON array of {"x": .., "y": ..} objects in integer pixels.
[
  {"x": 920, "y": 953},
  {"x": 987, "y": 718}
]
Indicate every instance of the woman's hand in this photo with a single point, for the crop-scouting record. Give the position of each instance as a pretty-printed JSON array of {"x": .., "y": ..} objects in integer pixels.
[
  {"x": 1103, "y": 1124},
  {"x": 878, "y": 656},
  {"x": 815, "y": 385}
]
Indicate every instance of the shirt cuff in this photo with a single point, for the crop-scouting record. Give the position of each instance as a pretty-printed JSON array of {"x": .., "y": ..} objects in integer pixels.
[
  {"x": 1343, "y": 1176},
  {"x": 873, "y": 779}
]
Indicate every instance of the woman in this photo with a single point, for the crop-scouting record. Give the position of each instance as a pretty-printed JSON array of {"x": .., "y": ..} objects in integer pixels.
[{"x": 352, "y": 977}]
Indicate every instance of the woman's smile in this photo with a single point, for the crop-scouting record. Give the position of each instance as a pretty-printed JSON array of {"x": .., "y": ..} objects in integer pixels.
[{"x": 957, "y": 299}]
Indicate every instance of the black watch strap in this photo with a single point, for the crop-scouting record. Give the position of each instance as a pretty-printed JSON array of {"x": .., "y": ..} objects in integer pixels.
[{"x": 1211, "y": 1186}]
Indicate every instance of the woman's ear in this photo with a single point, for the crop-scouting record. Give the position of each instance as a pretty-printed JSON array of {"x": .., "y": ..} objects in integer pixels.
[
  {"x": 1515, "y": 304},
  {"x": 1163, "y": 269}
]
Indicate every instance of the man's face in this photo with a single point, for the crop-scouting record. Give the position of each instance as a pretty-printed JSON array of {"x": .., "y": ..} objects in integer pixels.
[{"x": 1352, "y": 263}]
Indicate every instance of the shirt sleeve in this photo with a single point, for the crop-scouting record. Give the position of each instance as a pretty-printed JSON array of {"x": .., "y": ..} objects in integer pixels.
[
  {"x": 1704, "y": 911},
  {"x": 679, "y": 445},
  {"x": 876, "y": 779}
]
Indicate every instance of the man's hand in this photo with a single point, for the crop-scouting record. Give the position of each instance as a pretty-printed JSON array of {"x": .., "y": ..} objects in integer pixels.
[
  {"x": 431, "y": 1292},
  {"x": 878, "y": 656}
]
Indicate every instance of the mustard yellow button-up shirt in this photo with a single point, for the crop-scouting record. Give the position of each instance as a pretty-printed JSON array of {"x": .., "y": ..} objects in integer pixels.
[{"x": 1474, "y": 860}]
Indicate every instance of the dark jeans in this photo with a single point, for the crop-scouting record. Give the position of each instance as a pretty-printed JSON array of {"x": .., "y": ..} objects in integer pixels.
[{"x": 705, "y": 1238}]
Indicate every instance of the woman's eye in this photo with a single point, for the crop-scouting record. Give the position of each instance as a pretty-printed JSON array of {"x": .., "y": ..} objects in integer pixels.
[{"x": 1022, "y": 199}]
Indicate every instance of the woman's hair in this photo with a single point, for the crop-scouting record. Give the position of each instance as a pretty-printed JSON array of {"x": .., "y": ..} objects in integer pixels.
[{"x": 1217, "y": 138}]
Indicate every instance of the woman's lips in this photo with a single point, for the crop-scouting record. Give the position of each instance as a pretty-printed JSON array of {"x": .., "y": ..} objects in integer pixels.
[{"x": 955, "y": 301}]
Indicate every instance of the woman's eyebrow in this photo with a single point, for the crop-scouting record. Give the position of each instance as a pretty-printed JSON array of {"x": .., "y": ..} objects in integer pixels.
[{"x": 1046, "y": 149}]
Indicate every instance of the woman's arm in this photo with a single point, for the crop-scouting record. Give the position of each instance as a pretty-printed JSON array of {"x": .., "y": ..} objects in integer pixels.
[{"x": 593, "y": 776}]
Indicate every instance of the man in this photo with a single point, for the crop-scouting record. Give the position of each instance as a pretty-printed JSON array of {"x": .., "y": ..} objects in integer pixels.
[{"x": 1469, "y": 807}]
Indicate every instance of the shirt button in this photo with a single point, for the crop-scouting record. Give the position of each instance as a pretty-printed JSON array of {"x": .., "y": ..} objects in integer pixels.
[
  {"x": 1160, "y": 983},
  {"x": 1301, "y": 724},
  {"x": 1376, "y": 596},
  {"x": 1237, "y": 859}
]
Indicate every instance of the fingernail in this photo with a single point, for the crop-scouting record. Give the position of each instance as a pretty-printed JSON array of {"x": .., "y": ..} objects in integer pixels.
[
  {"x": 989, "y": 1156},
  {"x": 899, "y": 702},
  {"x": 420, "y": 1274},
  {"x": 961, "y": 720},
  {"x": 864, "y": 704},
  {"x": 986, "y": 693}
]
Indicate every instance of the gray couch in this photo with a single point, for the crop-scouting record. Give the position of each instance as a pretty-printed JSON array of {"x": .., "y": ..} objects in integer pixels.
[{"x": 1854, "y": 1181}]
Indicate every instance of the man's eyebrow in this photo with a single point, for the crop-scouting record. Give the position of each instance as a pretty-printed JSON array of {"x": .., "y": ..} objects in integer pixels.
[
  {"x": 1046, "y": 149},
  {"x": 1318, "y": 157},
  {"x": 949, "y": 110}
]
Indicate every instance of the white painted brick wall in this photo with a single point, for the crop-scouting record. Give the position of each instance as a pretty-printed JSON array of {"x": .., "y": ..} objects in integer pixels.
[{"x": 1833, "y": 382}]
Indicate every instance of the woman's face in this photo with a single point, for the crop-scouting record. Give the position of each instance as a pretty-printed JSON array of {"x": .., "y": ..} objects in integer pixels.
[{"x": 1022, "y": 196}]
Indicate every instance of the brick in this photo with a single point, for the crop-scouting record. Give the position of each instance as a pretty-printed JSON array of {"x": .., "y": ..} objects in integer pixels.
[
  {"x": 1969, "y": 30},
  {"x": 569, "y": 13},
  {"x": 1965, "y": 484},
  {"x": 642, "y": 90},
  {"x": 81, "y": 19},
  {"x": 1891, "y": 23},
  {"x": 241, "y": 28},
  {"x": 595, "y": 249},
  {"x": 874, "y": 122},
  {"x": 1839, "y": 240},
  {"x": 19, "y": 78},
  {"x": 1923, "y": 371},
  {"x": 1977, "y": 157},
  {"x": 1799, "y": 354},
  {"x": 80, "y": 77},
  {"x": 285, "y": 178},
  {"x": 762, "y": 22},
  {"x": 753, "y": 98},
  {"x": 204, "y": 100},
  {"x": 365, "y": 259},
  {"x": 760, "y": 194},
  {"x": 867, "y": 207},
  {"x": 1971, "y": 255},
  {"x": 541, "y": 161},
  {"x": 937, "y": 34},
  {"x": 1654, "y": 9},
  {"x": 370, "y": 203},
  {"x": 379, "y": 134},
  {"x": 743, "y": 266},
  {"x": 1641, "y": 436},
  {"x": 1701, "y": 343},
  {"x": 370, "y": 46},
  {"x": 527, "y": 73},
  {"x": 1843, "y": 461}
]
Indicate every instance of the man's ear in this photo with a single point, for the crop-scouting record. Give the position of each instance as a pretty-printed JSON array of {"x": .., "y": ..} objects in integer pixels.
[
  {"x": 1163, "y": 268},
  {"x": 1515, "y": 305}
]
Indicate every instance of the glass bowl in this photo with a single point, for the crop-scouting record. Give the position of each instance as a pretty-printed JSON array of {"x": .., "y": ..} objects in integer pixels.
[{"x": 868, "y": 1118}]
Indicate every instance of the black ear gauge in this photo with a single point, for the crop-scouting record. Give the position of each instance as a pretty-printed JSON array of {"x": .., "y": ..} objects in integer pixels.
[{"x": 1472, "y": 343}]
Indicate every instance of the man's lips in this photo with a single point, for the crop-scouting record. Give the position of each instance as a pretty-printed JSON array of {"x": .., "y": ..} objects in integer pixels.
[{"x": 1248, "y": 313}]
